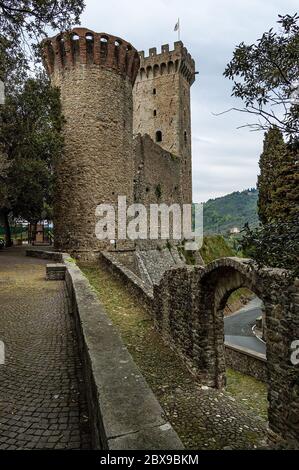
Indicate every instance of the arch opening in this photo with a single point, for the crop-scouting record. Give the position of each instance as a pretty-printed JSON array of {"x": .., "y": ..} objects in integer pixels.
[
  {"x": 103, "y": 47},
  {"x": 156, "y": 70},
  {"x": 193, "y": 317},
  {"x": 75, "y": 47},
  {"x": 117, "y": 44},
  {"x": 61, "y": 48},
  {"x": 163, "y": 68},
  {"x": 89, "y": 47},
  {"x": 159, "y": 136}
]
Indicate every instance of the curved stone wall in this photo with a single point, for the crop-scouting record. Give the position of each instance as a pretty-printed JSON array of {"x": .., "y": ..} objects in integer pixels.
[{"x": 95, "y": 73}]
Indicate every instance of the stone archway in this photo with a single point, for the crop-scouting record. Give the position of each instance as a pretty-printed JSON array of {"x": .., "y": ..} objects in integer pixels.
[
  {"x": 189, "y": 304},
  {"x": 217, "y": 282}
]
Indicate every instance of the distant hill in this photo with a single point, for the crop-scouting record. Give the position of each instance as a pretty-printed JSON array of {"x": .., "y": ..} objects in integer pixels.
[{"x": 233, "y": 210}]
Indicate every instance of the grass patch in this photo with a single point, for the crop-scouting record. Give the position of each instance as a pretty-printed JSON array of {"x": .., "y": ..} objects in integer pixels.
[
  {"x": 248, "y": 390},
  {"x": 237, "y": 300},
  {"x": 214, "y": 247}
]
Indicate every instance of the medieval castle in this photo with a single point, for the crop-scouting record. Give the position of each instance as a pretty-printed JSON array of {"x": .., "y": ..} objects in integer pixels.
[{"x": 127, "y": 130}]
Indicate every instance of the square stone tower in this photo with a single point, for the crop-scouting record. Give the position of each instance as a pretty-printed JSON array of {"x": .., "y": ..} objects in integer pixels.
[{"x": 161, "y": 102}]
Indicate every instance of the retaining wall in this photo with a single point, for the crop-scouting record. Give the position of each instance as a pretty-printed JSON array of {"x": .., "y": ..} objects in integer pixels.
[{"x": 246, "y": 361}]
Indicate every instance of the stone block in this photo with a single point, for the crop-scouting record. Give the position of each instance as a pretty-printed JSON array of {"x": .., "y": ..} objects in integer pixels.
[{"x": 55, "y": 272}]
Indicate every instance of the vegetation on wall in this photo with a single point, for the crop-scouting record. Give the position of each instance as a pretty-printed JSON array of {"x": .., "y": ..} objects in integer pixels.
[{"x": 158, "y": 191}]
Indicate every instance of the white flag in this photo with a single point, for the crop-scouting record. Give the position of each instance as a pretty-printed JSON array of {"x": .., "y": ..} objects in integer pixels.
[{"x": 177, "y": 26}]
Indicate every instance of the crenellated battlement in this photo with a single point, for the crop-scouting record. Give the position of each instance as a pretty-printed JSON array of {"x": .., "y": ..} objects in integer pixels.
[
  {"x": 85, "y": 47},
  {"x": 167, "y": 61}
]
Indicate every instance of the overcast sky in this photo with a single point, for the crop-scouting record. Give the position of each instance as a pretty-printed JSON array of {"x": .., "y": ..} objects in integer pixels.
[{"x": 225, "y": 159}]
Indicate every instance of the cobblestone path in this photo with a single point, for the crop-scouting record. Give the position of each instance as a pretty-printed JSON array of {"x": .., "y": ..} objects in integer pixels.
[{"x": 42, "y": 400}]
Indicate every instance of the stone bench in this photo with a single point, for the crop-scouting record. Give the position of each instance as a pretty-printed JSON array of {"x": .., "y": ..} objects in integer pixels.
[{"x": 55, "y": 272}]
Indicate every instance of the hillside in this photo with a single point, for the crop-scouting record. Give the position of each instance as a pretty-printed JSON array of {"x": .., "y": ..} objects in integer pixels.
[
  {"x": 214, "y": 247},
  {"x": 233, "y": 210}
]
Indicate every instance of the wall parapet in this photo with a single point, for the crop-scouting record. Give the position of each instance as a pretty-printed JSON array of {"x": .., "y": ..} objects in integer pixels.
[
  {"x": 82, "y": 46},
  {"x": 178, "y": 60},
  {"x": 123, "y": 411}
]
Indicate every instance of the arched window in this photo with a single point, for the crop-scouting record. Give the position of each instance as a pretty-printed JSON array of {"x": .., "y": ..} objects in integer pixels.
[
  {"x": 89, "y": 46},
  {"x": 155, "y": 112},
  {"x": 158, "y": 136},
  {"x": 156, "y": 70},
  {"x": 142, "y": 73},
  {"x": 61, "y": 45},
  {"x": 117, "y": 44},
  {"x": 154, "y": 91},
  {"x": 185, "y": 138},
  {"x": 163, "y": 69},
  {"x": 75, "y": 47},
  {"x": 170, "y": 67},
  {"x": 103, "y": 47},
  {"x": 149, "y": 72}
]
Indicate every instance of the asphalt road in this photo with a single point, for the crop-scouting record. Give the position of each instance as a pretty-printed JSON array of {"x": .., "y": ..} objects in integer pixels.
[{"x": 238, "y": 327}]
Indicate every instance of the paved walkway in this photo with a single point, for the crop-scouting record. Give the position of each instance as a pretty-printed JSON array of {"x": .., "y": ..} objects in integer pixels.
[{"x": 42, "y": 400}]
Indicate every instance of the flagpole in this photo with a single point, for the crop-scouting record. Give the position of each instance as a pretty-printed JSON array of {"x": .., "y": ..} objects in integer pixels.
[{"x": 178, "y": 29}]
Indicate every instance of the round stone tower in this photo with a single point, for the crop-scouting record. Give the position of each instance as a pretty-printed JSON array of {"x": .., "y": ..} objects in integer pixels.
[{"x": 95, "y": 73}]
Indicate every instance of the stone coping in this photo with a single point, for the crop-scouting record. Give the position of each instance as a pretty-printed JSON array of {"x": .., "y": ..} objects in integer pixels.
[
  {"x": 246, "y": 351},
  {"x": 124, "y": 412}
]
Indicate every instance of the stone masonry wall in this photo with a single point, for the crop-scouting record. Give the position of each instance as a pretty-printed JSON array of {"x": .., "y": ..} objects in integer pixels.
[
  {"x": 162, "y": 104},
  {"x": 157, "y": 173},
  {"x": 189, "y": 305},
  {"x": 98, "y": 142},
  {"x": 157, "y": 180}
]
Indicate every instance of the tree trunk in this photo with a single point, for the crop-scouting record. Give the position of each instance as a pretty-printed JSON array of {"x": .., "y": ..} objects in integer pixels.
[{"x": 7, "y": 232}]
